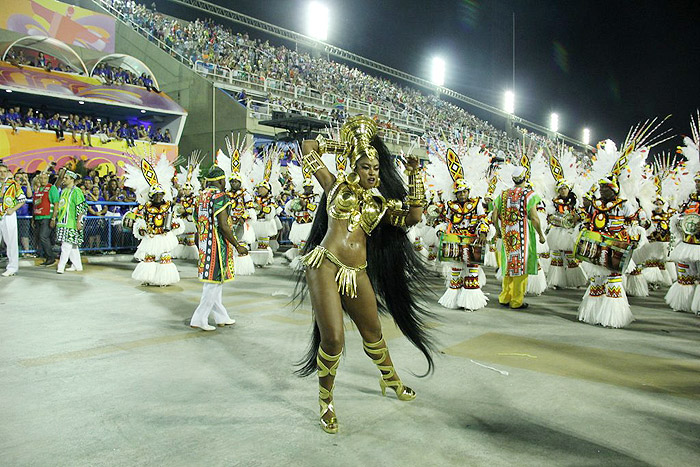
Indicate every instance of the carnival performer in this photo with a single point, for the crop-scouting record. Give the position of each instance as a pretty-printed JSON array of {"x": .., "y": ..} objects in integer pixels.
[
  {"x": 564, "y": 270},
  {"x": 13, "y": 198},
  {"x": 516, "y": 220},
  {"x": 635, "y": 283},
  {"x": 236, "y": 166},
  {"x": 357, "y": 253},
  {"x": 216, "y": 243},
  {"x": 659, "y": 235},
  {"x": 72, "y": 208},
  {"x": 265, "y": 224},
  {"x": 463, "y": 237},
  {"x": 156, "y": 225},
  {"x": 185, "y": 205},
  {"x": 302, "y": 208},
  {"x": 605, "y": 301}
]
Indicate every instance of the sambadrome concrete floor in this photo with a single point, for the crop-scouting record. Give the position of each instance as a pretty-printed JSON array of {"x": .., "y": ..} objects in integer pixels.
[{"x": 97, "y": 370}]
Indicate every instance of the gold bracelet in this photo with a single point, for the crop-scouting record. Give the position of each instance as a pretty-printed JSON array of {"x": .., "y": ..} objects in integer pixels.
[{"x": 312, "y": 162}]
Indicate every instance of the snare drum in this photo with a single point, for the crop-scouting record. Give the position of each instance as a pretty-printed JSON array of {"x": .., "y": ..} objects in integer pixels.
[
  {"x": 455, "y": 247},
  {"x": 595, "y": 248}
]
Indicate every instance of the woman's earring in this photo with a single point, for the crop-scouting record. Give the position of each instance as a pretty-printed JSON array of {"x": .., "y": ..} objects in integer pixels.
[{"x": 379, "y": 182}]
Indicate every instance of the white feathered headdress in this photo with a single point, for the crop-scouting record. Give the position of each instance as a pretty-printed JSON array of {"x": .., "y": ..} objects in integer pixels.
[
  {"x": 189, "y": 174},
  {"x": 148, "y": 175}
]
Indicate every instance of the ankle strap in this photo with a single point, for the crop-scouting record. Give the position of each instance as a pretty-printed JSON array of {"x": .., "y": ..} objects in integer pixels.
[{"x": 323, "y": 370}]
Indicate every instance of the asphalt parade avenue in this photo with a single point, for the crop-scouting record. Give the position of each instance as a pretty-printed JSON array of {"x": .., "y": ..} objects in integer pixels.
[{"x": 97, "y": 370}]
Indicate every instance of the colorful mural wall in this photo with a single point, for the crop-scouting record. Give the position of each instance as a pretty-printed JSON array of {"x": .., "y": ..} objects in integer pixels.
[
  {"x": 40, "y": 81},
  {"x": 33, "y": 150},
  {"x": 67, "y": 23}
]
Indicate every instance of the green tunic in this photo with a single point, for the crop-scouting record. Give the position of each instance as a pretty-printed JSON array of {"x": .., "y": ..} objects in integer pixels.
[
  {"x": 519, "y": 247},
  {"x": 71, "y": 206}
]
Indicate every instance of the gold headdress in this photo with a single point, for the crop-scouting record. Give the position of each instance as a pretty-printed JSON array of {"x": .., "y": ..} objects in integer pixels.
[
  {"x": 235, "y": 155},
  {"x": 356, "y": 136},
  {"x": 454, "y": 165}
]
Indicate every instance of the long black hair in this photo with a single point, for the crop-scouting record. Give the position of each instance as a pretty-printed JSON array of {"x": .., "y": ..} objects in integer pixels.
[{"x": 397, "y": 274}]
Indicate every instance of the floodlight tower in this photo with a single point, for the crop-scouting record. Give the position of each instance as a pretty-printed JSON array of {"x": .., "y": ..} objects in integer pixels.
[
  {"x": 554, "y": 124},
  {"x": 438, "y": 72},
  {"x": 509, "y": 108},
  {"x": 586, "y": 136},
  {"x": 317, "y": 21}
]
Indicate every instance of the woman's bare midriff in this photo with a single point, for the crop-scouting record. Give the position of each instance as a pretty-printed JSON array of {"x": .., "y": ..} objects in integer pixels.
[{"x": 349, "y": 247}]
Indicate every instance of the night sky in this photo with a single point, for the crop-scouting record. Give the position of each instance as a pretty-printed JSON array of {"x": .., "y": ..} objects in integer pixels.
[{"x": 604, "y": 65}]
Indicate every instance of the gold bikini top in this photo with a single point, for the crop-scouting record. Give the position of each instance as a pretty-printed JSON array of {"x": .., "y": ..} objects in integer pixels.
[{"x": 363, "y": 208}]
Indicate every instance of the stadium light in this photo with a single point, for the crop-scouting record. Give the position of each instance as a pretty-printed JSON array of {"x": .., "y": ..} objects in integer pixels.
[
  {"x": 81, "y": 102},
  {"x": 8, "y": 90},
  {"x": 509, "y": 102},
  {"x": 586, "y": 136},
  {"x": 318, "y": 21},
  {"x": 438, "y": 73},
  {"x": 554, "y": 122},
  {"x": 143, "y": 111}
]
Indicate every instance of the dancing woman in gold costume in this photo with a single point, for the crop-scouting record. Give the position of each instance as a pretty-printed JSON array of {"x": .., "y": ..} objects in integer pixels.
[{"x": 357, "y": 252}]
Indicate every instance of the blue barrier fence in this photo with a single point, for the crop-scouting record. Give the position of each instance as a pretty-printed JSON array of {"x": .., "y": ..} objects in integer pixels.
[{"x": 104, "y": 233}]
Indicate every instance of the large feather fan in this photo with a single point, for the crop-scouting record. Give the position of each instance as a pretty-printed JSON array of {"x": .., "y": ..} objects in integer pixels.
[{"x": 135, "y": 179}]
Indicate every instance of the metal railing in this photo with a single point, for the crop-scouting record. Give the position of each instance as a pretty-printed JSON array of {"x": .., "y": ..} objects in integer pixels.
[
  {"x": 101, "y": 233},
  {"x": 107, "y": 5}
]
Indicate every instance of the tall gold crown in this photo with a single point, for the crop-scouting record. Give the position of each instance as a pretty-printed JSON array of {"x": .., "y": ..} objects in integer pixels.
[{"x": 359, "y": 131}]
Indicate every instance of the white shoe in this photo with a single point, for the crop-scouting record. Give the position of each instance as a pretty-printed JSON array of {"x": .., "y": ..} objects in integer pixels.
[
  {"x": 8, "y": 273},
  {"x": 59, "y": 271},
  {"x": 73, "y": 269},
  {"x": 227, "y": 323},
  {"x": 204, "y": 327}
]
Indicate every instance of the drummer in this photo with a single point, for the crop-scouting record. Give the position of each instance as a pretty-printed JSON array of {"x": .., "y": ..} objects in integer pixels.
[
  {"x": 462, "y": 246},
  {"x": 686, "y": 253},
  {"x": 605, "y": 301},
  {"x": 564, "y": 269}
]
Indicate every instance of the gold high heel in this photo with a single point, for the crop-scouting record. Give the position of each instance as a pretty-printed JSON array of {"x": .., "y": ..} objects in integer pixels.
[
  {"x": 379, "y": 349},
  {"x": 330, "y": 425}
]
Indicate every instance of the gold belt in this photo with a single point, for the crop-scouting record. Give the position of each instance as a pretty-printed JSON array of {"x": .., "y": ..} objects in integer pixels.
[{"x": 346, "y": 278}]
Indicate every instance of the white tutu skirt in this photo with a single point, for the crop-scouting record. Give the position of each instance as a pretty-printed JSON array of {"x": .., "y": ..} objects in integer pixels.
[
  {"x": 490, "y": 259},
  {"x": 187, "y": 252},
  {"x": 560, "y": 238},
  {"x": 537, "y": 284},
  {"x": 154, "y": 273},
  {"x": 264, "y": 228},
  {"x": 636, "y": 285},
  {"x": 680, "y": 297},
  {"x": 606, "y": 311},
  {"x": 685, "y": 252},
  {"x": 299, "y": 232},
  {"x": 243, "y": 265},
  {"x": 262, "y": 257},
  {"x": 245, "y": 233},
  {"x": 278, "y": 224},
  {"x": 156, "y": 245}
]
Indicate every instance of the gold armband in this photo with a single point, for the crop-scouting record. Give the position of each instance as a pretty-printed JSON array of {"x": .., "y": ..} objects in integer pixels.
[
  {"x": 329, "y": 146},
  {"x": 416, "y": 189},
  {"x": 312, "y": 162},
  {"x": 397, "y": 213}
]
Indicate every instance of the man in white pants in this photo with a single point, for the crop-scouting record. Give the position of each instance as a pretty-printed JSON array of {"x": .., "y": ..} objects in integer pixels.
[
  {"x": 12, "y": 199},
  {"x": 68, "y": 219},
  {"x": 216, "y": 244}
]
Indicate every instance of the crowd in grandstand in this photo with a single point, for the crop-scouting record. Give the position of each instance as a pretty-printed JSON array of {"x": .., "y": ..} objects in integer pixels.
[
  {"x": 82, "y": 128},
  {"x": 206, "y": 41},
  {"x": 107, "y": 73}
]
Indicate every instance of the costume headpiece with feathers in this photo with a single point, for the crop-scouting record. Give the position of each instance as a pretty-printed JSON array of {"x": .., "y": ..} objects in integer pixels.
[{"x": 148, "y": 175}]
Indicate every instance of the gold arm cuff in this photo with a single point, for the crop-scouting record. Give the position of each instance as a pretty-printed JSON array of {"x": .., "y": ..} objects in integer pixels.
[
  {"x": 416, "y": 189},
  {"x": 329, "y": 146},
  {"x": 312, "y": 162}
]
